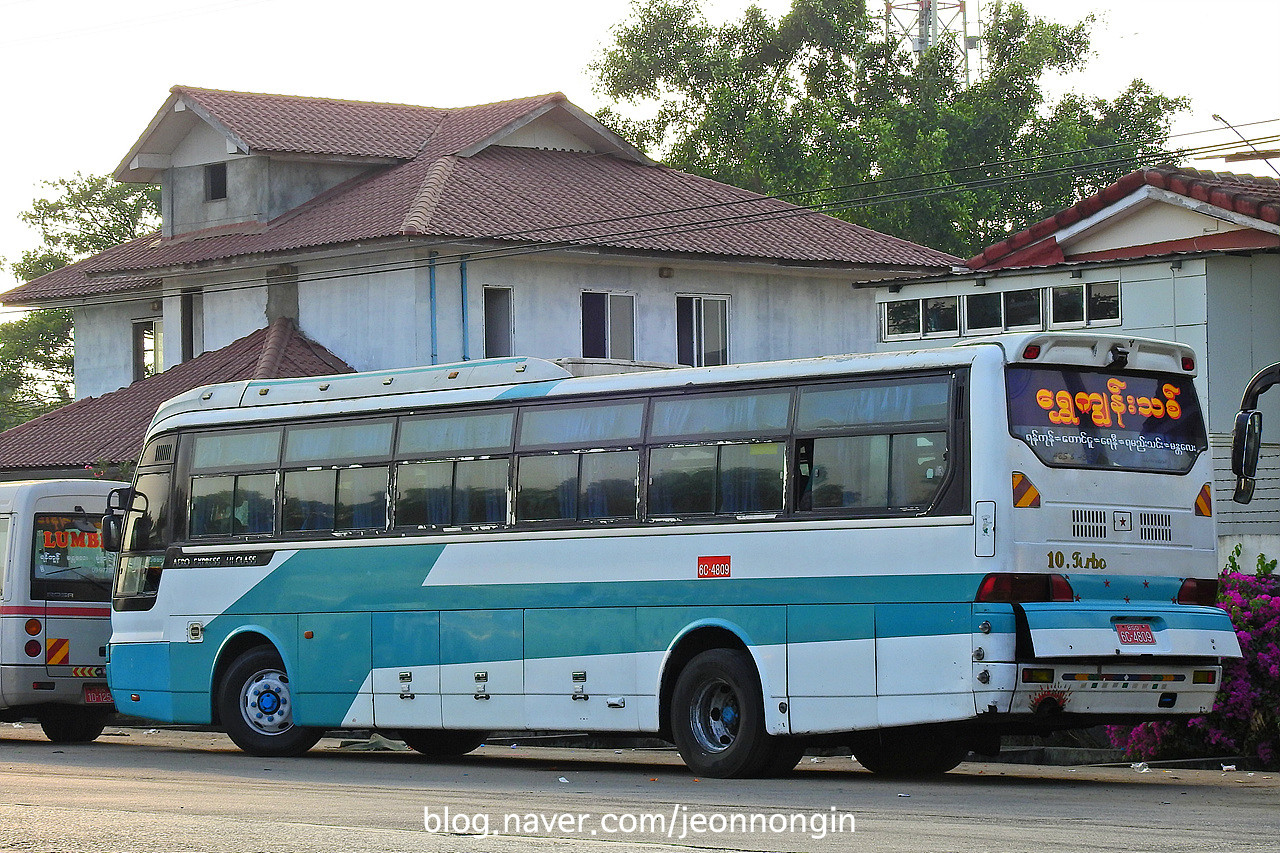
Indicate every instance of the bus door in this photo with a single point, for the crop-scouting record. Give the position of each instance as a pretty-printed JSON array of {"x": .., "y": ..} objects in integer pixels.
[{"x": 71, "y": 580}]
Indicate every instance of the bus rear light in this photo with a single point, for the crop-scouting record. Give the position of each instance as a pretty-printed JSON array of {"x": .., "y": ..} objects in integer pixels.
[
  {"x": 34, "y": 627},
  {"x": 1010, "y": 588},
  {"x": 1188, "y": 363},
  {"x": 1032, "y": 352},
  {"x": 1204, "y": 676},
  {"x": 1204, "y": 501},
  {"x": 33, "y": 648},
  {"x": 1025, "y": 493},
  {"x": 1202, "y": 591},
  {"x": 1037, "y": 675}
]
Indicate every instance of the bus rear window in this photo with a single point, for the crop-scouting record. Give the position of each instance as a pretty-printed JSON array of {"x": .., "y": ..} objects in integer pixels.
[
  {"x": 1076, "y": 418},
  {"x": 67, "y": 560}
]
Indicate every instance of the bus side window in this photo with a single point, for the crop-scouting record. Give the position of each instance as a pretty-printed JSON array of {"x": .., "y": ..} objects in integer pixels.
[
  {"x": 607, "y": 484},
  {"x": 682, "y": 480},
  {"x": 232, "y": 505},
  {"x": 547, "y": 487},
  {"x": 919, "y": 465},
  {"x": 750, "y": 477},
  {"x": 849, "y": 472},
  {"x": 308, "y": 500}
]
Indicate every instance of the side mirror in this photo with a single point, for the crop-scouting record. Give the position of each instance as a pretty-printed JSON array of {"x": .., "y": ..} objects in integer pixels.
[
  {"x": 1246, "y": 446},
  {"x": 112, "y": 527},
  {"x": 118, "y": 500}
]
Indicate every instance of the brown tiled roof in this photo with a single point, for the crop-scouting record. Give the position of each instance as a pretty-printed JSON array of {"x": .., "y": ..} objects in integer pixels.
[
  {"x": 499, "y": 193},
  {"x": 110, "y": 428},
  {"x": 1251, "y": 196},
  {"x": 285, "y": 123}
]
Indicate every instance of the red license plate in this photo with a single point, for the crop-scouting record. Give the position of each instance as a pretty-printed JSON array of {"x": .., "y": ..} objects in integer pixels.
[
  {"x": 1135, "y": 634},
  {"x": 97, "y": 694}
]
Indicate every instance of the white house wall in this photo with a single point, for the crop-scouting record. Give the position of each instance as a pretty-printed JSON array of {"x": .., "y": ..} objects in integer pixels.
[
  {"x": 1152, "y": 223},
  {"x": 104, "y": 345},
  {"x": 382, "y": 320},
  {"x": 230, "y": 312}
]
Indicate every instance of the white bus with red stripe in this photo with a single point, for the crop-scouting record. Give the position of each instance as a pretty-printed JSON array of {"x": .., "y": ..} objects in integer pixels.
[{"x": 55, "y": 619}]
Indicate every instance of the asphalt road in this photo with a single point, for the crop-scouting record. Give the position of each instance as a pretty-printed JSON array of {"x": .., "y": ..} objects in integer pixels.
[{"x": 158, "y": 790}]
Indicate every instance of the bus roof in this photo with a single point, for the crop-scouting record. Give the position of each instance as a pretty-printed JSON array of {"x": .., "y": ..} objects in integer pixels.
[
  {"x": 16, "y": 496},
  {"x": 525, "y": 377}
]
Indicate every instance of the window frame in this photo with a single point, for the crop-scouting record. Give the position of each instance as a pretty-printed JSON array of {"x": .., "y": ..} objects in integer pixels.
[
  {"x": 216, "y": 183},
  {"x": 611, "y": 339},
  {"x": 695, "y": 327},
  {"x": 140, "y": 328},
  {"x": 509, "y": 321}
]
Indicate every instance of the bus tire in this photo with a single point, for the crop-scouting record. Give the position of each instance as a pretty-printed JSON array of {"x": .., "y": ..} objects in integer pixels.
[
  {"x": 910, "y": 753},
  {"x": 442, "y": 743},
  {"x": 787, "y": 753},
  {"x": 717, "y": 718},
  {"x": 256, "y": 706},
  {"x": 72, "y": 725}
]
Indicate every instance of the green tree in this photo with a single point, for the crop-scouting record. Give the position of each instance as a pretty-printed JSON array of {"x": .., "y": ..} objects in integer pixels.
[
  {"x": 83, "y": 215},
  {"x": 820, "y": 103}
]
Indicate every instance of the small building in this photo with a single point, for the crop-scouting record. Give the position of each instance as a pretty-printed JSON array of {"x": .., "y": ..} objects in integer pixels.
[{"x": 1168, "y": 253}]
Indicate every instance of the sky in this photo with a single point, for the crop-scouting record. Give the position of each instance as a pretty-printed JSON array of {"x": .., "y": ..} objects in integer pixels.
[{"x": 83, "y": 78}]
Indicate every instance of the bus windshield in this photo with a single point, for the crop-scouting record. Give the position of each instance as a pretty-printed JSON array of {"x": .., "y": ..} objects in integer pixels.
[
  {"x": 1074, "y": 418},
  {"x": 67, "y": 560}
]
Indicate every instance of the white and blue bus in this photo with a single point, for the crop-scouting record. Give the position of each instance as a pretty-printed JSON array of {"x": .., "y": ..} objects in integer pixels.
[{"x": 910, "y": 553}]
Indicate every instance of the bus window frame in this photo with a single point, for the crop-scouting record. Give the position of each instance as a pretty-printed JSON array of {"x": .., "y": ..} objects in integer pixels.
[
  {"x": 1149, "y": 374},
  {"x": 951, "y": 498}
]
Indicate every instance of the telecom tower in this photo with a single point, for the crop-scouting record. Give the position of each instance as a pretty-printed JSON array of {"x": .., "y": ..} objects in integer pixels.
[{"x": 918, "y": 25}]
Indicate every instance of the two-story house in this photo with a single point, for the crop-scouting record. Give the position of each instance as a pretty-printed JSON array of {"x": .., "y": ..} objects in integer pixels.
[
  {"x": 398, "y": 235},
  {"x": 386, "y": 235}
]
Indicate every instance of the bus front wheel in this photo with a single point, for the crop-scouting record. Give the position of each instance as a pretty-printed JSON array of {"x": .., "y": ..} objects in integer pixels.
[
  {"x": 256, "y": 706},
  {"x": 717, "y": 719},
  {"x": 72, "y": 725},
  {"x": 442, "y": 743}
]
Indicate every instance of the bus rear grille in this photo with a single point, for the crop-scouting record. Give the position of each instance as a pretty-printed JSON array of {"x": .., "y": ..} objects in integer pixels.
[
  {"x": 1089, "y": 523},
  {"x": 1155, "y": 526}
]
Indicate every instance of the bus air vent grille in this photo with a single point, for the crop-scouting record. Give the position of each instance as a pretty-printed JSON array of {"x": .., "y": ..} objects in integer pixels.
[
  {"x": 1089, "y": 523},
  {"x": 1155, "y": 526}
]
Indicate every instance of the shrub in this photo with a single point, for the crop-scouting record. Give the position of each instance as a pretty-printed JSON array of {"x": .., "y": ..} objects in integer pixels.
[{"x": 1245, "y": 719}]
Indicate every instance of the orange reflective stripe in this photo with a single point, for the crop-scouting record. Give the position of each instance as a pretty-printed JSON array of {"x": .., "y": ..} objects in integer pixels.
[
  {"x": 57, "y": 651},
  {"x": 1204, "y": 501},
  {"x": 1025, "y": 494}
]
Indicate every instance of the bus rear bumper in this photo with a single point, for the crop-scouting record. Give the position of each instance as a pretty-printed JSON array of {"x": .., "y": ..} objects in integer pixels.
[{"x": 1045, "y": 689}]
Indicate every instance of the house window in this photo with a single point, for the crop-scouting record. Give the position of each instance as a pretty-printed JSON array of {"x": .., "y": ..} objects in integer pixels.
[
  {"x": 702, "y": 330},
  {"x": 910, "y": 318},
  {"x": 147, "y": 347},
  {"x": 215, "y": 182},
  {"x": 983, "y": 312},
  {"x": 1000, "y": 312},
  {"x": 1095, "y": 304},
  {"x": 608, "y": 325},
  {"x": 498, "y": 322}
]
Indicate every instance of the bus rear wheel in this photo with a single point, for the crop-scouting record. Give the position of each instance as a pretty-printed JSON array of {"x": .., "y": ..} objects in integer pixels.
[
  {"x": 442, "y": 743},
  {"x": 911, "y": 752},
  {"x": 72, "y": 725},
  {"x": 717, "y": 719},
  {"x": 256, "y": 706}
]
